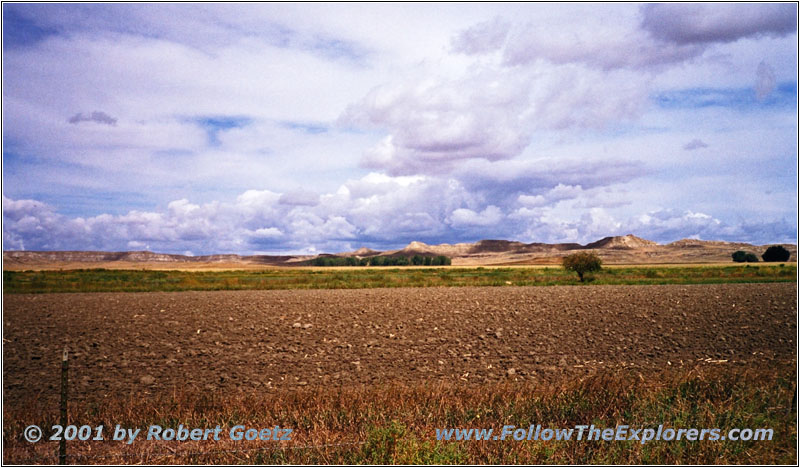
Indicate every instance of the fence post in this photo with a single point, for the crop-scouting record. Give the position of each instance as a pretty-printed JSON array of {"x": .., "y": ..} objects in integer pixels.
[{"x": 62, "y": 444}]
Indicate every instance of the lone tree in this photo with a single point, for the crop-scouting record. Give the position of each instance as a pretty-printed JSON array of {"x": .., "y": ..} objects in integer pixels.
[
  {"x": 582, "y": 262},
  {"x": 776, "y": 253}
]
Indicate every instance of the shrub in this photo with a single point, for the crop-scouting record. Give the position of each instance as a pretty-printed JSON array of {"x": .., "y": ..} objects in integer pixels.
[
  {"x": 776, "y": 253},
  {"x": 750, "y": 258},
  {"x": 582, "y": 263},
  {"x": 742, "y": 256}
]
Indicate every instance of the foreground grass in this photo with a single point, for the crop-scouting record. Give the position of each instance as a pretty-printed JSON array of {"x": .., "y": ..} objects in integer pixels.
[
  {"x": 100, "y": 280},
  {"x": 395, "y": 424}
]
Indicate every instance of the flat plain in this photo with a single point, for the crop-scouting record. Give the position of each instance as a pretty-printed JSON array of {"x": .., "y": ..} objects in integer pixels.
[{"x": 263, "y": 341}]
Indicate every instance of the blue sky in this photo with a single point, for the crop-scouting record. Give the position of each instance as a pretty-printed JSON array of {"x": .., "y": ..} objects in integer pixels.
[{"x": 304, "y": 128}]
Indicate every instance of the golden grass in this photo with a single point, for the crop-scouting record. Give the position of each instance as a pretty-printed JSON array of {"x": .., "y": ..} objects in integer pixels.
[{"x": 395, "y": 423}]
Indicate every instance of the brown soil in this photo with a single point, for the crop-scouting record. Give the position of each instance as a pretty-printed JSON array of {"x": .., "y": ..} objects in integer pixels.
[{"x": 261, "y": 341}]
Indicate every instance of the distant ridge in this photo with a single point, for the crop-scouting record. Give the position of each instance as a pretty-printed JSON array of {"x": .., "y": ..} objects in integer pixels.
[
  {"x": 701, "y": 243},
  {"x": 621, "y": 242},
  {"x": 628, "y": 249},
  {"x": 362, "y": 252},
  {"x": 496, "y": 246},
  {"x": 140, "y": 256}
]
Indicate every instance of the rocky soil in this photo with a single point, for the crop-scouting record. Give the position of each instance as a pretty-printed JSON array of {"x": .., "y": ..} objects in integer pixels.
[{"x": 261, "y": 341}]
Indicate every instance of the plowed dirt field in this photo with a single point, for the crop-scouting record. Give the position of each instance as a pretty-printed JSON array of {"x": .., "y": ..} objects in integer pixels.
[{"x": 262, "y": 341}]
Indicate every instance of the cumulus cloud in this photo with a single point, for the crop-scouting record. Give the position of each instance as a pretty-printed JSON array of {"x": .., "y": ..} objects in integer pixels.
[
  {"x": 434, "y": 125},
  {"x": 532, "y": 200},
  {"x": 661, "y": 226},
  {"x": 674, "y": 224},
  {"x": 695, "y": 144},
  {"x": 96, "y": 117},
  {"x": 299, "y": 197},
  {"x": 670, "y": 224},
  {"x": 551, "y": 226},
  {"x": 426, "y": 209},
  {"x": 376, "y": 209},
  {"x": 683, "y": 23},
  {"x": 464, "y": 217}
]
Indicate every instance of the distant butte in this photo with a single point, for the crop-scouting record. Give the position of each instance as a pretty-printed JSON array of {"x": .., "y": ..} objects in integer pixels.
[{"x": 619, "y": 250}]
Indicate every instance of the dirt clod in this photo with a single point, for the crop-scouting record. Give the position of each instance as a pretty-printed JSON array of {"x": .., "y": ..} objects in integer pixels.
[
  {"x": 403, "y": 335},
  {"x": 147, "y": 380}
]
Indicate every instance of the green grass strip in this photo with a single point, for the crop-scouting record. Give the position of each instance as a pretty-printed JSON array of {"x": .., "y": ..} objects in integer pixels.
[{"x": 102, "y": 280}]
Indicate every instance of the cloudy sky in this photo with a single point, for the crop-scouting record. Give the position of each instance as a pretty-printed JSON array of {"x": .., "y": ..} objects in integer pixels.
[{"x": 272, "y": 128}]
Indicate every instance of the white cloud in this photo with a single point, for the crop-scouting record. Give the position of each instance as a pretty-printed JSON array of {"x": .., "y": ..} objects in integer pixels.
[
  {"x": 299, "y": 197},
  {"x": 464, "y": 217},
  {"x": 377, "y": 208},
  {"x": 430, "y": 210},
  {"x": 434, "y": 123},
  {"x": 532, "y": 200},
  {"x": 488, "y": 114}
]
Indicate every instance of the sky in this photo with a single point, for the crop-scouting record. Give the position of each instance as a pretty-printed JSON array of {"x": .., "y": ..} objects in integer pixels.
[{"x": 307, "y": 128}]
